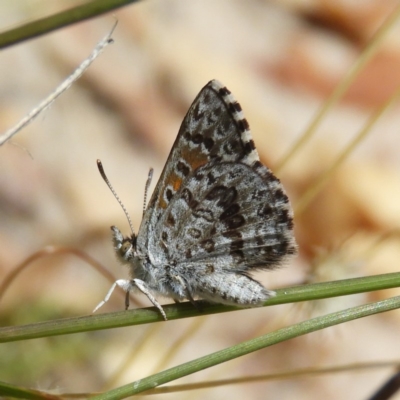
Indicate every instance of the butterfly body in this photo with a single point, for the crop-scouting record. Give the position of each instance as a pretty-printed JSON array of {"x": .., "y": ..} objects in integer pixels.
[{"x": 216, "y": 214}]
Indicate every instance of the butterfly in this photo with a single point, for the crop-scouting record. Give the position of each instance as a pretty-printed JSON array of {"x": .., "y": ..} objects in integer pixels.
[{"x": 216, "y": 215}]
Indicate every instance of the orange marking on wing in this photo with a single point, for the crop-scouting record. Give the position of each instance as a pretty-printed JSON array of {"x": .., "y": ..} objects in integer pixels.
[
  {"x": 175, "y": 182},
  {"x": 195, "y": 159}
]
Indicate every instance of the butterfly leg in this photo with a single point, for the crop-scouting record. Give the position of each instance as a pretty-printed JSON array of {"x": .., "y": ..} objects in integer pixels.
[
  {"x": 187, "y": 292},
  {"x": 122, "y": 283},
  {"x": 143, "y": 288}
]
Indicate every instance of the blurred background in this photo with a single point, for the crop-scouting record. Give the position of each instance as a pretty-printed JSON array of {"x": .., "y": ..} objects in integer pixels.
[{"x": 281, "y": 60}]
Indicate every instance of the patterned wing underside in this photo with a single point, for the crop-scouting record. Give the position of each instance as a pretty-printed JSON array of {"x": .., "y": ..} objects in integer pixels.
[
  {"x": 240, "y": 218},
  {"x": 209, "y": 131},
  {"x": 241, "y": 221}
]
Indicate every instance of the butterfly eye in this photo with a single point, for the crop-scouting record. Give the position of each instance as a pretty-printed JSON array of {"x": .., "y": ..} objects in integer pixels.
[
  {"x": 126, "y": 251},
  {"x": 124, "y": 246}
]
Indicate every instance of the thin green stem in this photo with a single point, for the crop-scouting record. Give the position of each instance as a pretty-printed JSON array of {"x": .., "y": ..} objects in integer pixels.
[
  {"x": 250, "y": 346},
  {"x": 185, "y": 310},
  {"x": 15, "y": 392},
  {"x": 287, "y": 374},
  {"x": 56, "y": 21}
]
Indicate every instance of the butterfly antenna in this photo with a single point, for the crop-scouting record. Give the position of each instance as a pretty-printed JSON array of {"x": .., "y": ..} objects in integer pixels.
[
  {"x": 146, "y": 188},
  {"x": 104, "y": 176}
]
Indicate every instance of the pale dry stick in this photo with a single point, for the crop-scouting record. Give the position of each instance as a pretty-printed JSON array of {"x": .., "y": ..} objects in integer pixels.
[
  {"x": 306, "y": 198},
  {"x": 60, "y": 89},
  {"x": 342, "y": 87}
]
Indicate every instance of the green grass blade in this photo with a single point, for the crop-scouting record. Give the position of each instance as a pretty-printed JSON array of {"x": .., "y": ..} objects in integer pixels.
[
  {"x": 141, "y": 316},
  {"x": 250, "y": 346}
]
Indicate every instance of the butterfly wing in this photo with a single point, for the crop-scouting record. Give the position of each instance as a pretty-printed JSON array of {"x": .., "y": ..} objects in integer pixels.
[
  {"x": 209, "y": 132},
  {"x": 216, "y": 207}
]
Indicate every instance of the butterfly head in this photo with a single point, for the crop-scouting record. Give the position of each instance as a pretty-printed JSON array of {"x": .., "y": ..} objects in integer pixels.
[{"x": 125, "y": 246}]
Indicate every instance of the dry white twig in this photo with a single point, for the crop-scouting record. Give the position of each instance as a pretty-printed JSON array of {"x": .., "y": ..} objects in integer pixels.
[{"x": 60, "y": 89}]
